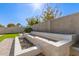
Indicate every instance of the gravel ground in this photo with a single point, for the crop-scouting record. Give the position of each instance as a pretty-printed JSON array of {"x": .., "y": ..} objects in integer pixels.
[{"x": 25, "y": 43}]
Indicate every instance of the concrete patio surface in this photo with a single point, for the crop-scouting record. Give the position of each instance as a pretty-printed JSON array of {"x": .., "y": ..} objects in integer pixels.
[{"x": 5, "y": 47}]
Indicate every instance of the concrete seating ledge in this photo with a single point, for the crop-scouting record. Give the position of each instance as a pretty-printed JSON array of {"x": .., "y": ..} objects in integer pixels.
[
  {"x": 48, "y": 47},
  {"x": 57, "y": 44}
]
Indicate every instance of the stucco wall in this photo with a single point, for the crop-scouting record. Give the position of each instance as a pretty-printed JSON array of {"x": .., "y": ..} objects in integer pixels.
[
  {"x": 45, "y": 27},
  {"x": 11, "y": 30},
  {"x": 66, "y": 24}
]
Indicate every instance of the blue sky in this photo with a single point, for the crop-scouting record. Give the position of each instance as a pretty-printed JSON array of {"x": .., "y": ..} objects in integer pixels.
[{"x": 17, "y": 13}]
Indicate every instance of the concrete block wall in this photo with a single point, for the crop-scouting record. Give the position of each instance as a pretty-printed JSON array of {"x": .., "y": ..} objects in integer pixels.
[
  {"x": 66, "y": 24},
  {"x": 43, "y": 27},
  {"x": 4, "y": 30},
  {"x": 61, "y": 25}
]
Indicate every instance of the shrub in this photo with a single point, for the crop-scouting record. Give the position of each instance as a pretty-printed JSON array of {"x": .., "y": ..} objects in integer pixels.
[{"x": 28, "y": 29}]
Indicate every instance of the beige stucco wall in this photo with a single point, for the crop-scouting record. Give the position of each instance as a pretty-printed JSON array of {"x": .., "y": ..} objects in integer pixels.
[
  {"x": 61, "y": 25},
  {"x": 11, "y": 30},
  {"x": 66, "y": 24},
  {"x": 45, "y": 27}
]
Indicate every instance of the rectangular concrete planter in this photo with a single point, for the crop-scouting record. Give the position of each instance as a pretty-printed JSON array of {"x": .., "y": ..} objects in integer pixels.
[
  {"x": 31, "y": 51},
  {"x": 51, "y": 48}
]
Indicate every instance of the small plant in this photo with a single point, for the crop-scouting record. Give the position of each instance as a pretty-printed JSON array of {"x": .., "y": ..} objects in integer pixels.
[
  {"x": 28, "y": 29},
  {"x": 31, "y": 44}
]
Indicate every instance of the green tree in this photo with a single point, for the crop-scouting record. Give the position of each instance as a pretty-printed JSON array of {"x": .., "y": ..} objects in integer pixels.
[
  {"x": 18, "y": 24},
  {"x": 11, "y": 25},
  {"x": 27, "y": 29},
  {"x": 1, "y": 25},
  {"x": 32, "y": 21},
  {"x": 50, "y": 14}
]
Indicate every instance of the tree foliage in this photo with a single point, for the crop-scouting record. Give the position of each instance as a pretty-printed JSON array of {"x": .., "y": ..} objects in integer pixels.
[
  {"x": 32, "y": 21},
  {"x": 11, "y": 25},
  {"x": 2, "y": 25},
  {"x": 50, "y": 14},
  {"x": 28, "y": 29},
  {"x": 18, "y": 24}
]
